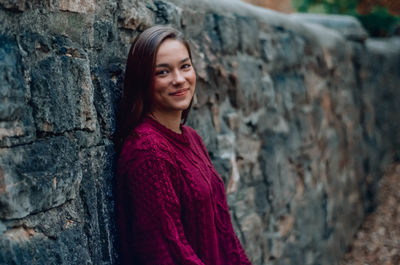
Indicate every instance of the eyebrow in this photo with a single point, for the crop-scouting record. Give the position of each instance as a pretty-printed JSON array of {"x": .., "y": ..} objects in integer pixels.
[{"x": 167, "y": 65}]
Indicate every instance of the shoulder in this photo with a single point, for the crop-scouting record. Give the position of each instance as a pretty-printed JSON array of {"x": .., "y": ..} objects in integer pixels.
[
  {"x": 195, "y": 137},
  {"x": 189, "y": 129},
  {"x": 145, "y": 144},
  {"x": 192, "y": 133}
]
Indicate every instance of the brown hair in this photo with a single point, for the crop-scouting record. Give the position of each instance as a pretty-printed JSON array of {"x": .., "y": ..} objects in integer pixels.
[{"x": 136, "y": 100}]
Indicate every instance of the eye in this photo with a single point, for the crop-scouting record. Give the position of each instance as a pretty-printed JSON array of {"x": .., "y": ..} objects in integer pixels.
[
  {"x": 186, "y": 66},
  {"x": 162, "y": 72}
]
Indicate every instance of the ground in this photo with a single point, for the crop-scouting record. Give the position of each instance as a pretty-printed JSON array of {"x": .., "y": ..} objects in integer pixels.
[{"x": 378, "y": 240}]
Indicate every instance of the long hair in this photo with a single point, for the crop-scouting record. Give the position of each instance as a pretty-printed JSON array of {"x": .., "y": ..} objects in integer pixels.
[{"x": 136, "y": 101}]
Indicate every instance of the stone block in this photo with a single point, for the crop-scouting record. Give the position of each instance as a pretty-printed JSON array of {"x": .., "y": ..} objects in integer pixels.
[
  {"x": 244, "y": 204},
  {"x": 108, "y": 82},
  {"x": 248, "y": 32},
  {"x": 252, "y": 230},
  {"x": 78, "y": 6},
  {"x": 103, "y": 34},
  {"x": 261, "y": 199},
  {"x": 16, "y": 122},
  {"x": 17, "y": 5},
  {"x": 135, "y": 15},
  {"x": 267, "y": 47},
  {"x": 212, "y": 40},
  {"x": 77, "y": 27},
  {"x": 247, "y": 94},
  {"x": 191, "y": 19},
  {"x": 34, "y": 44},
  {"x": 50, "y": 223},
  {"x": 27, "y": 246},
  {"x": 348, "y": 26},
  {"x": 247, "y": 152},
  {"x": 316, "y": 228},
  {"x": 248, "y": 148},
  {"x": 289, "y": 50},
  {"x": 167, "y": 13},
  {"x": 55, "y": 110},
  {"x": 228, "y": 33},
  {"x": 201, "y": 119},
  {"x": 97, "y": 202},
  {"x": 198, "y": 58},
  {"x": 38, "y": 176},
  {"x": 279, "y": 175},
  {"x": 290, "y": 91}
]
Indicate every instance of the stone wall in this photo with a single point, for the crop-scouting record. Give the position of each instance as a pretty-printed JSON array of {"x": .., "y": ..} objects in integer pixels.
[{"x": 299, "y": 120}]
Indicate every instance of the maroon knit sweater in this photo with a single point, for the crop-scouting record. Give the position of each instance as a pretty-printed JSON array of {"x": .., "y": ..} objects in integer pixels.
[{"x": 171, "y": 202}]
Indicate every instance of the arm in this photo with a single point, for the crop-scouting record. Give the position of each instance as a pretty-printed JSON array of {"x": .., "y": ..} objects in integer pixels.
[
  {"x": 158, "y": 231},
  {"x": 244, "y": 260},
  {"x": 243, "y": 257}
]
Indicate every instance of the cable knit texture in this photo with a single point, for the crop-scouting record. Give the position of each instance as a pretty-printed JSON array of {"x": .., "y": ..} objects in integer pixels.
[{"x": 171, "y": 202}]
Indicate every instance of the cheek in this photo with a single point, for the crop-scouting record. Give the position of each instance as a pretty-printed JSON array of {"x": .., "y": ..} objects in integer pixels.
[
  {"x": 192, "y": 77},
  {"x": 156, "y": 92},
  {"x": 159, "y": 86}
]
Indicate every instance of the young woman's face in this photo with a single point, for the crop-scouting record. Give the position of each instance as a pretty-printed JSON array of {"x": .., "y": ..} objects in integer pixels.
[{"x": 174, "y": 79}]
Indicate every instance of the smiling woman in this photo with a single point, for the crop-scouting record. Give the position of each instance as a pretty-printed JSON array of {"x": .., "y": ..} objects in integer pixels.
[
  {"x": 171, "y": 202},
  {"x": 174, "y": 83}
]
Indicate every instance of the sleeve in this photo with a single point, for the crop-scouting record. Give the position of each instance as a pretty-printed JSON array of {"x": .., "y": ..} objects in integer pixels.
[
  {"x": 201, "y": 144},
  {"x": 243, "y": 257},
  {"x": 158, "y": 231},
  {"x": 244, "y": 260}
]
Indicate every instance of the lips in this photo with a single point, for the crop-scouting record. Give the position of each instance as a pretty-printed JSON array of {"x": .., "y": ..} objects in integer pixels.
[{"x": 180, "y": 92}]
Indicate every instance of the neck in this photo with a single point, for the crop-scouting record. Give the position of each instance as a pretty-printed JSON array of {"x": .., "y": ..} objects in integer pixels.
[{"x": 170, "y": 120}]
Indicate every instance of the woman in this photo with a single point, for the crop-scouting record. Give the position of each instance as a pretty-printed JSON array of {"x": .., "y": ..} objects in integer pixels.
[{"x": 171, "y": 202}]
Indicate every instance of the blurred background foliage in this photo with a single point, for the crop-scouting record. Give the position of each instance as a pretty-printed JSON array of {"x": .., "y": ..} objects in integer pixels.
[{"x": 381, "y": 18}]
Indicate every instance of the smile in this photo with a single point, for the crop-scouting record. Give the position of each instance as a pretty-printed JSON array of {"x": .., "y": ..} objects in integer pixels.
[{"x": 180, "y": 92}]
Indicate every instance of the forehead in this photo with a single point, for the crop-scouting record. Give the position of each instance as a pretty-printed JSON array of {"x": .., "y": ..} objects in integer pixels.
[{"x": 171, "y": 49}]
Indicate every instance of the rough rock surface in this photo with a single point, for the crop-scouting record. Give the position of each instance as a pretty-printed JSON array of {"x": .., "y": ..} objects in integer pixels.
[
  {"x": 348, "y": 26},
  {"x": 299, "y": 121}
]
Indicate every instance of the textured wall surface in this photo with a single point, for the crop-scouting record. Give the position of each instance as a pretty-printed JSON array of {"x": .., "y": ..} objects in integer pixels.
[{"x": 299, "y": 120}]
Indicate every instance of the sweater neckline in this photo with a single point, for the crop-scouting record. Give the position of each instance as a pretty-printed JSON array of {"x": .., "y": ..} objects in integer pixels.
[{"x": 168, "y": 133}]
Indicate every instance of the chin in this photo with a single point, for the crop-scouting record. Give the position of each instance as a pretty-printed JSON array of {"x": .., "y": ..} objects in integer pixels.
[{"x": 183, "y": 105}]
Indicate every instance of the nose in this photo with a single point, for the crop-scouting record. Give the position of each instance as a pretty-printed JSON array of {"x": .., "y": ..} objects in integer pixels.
[{"x": 178, "y": 78}]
